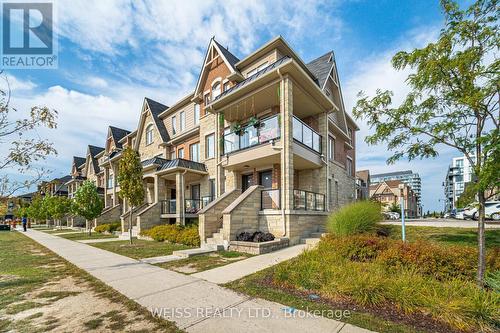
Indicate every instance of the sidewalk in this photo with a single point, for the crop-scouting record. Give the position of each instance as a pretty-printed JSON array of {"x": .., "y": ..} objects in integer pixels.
[
  {"x": 195, "y": 305},
  {"x": 239, "y": 269}
]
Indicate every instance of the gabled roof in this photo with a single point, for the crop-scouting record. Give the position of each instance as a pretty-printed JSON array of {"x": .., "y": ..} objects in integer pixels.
[
  {"x": 156, "y": 108},
  {"x": 94, "y": 151},
  {"x": 231, "y": 58},
  {"x": 118, "y": 134},
  {"x": 78, "y": 161},
  {"x": 321, "y": 68}
]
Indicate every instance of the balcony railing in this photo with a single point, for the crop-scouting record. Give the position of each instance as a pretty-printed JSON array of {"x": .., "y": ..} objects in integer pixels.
[
  {"x": 306, "y": 200},
  {"x": 270, "y": 199},
  {"x": 267, "y": 130},
  {"x": 304, "y": 134},
  {"x": 191, "y": 206}
]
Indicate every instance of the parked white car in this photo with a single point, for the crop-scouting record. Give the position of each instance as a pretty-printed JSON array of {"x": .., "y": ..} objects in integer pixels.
[
  {"x": 492, "y": 211},
  {"x": 459, "y": 214}
]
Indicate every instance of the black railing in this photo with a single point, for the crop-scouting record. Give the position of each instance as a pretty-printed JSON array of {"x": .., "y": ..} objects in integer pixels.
[
  {"x": 206, "y": 200},
  {"x": 270, "y": 199},
  {"x": 252, "y": 135},
  {"x": 168, "y": 206},
  {"x": 306, "y": 200},
  {"x": 304, "y": 134},
  {"x": 191, "y": 206}
]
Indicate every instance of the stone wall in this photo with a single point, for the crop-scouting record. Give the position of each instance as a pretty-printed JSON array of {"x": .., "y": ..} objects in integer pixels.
[
  {"x": 271, "y": 221},
  {"x": 210, "y": 217},
  {"x": 110, "y": 215},
  {"x": 259, "y": 248},
  {"x": 302, "y": 224},
  {"x": 150, "y": 217},
  {"x": 343, "y": 187},
  {"x": 242, "y": 214}
]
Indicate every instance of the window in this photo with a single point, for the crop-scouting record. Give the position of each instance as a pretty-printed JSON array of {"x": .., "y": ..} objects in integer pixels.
[
  {"x": 331, "y": 148},
  {"x": 349, "y": 132},
  {"x": 206, "y": 99},
  {"x": 149, "y": 134},
  {"x": 172, "y": 155},
  {"x": 257, "y": 69},
  {"x": 196, "y": 114},
  {"x": 110, "y": 181},
  {"x": 225, "y": 87},
  {"x": 174, "y": 125},
  {"x": 211, "y": 187},
  {"x": 216, "y": 90},
  {"x": 194, "y": 152},
  {"x": 180, "y": 153},
  {"x": 349, "y": 166},
  {"x": 209, "y": 146},
  {"x": 182, "y": 121}
]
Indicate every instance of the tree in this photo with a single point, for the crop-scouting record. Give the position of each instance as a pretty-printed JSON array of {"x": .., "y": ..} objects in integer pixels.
[
  {"x": 394, "y": 207},
  {"x": 453, "y": 100},
  {"x": 35, "y": 210},
  {"x": 87, "y": 203},
  {"x": 23, "y": 146},
  {"x": 467, "y": 197},
  {"x": 130, "y": 180},
  {"x": 58, "y": 207}
]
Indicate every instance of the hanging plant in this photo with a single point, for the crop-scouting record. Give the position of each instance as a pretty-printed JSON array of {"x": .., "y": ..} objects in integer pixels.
[
  {"x": 255, "y": 122},
  {"x": 237, "y": 129}
]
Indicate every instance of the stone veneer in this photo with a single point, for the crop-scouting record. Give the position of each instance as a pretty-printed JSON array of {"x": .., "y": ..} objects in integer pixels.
[
  {"x": 242, "y": 214},
  {"x": 149, "y": 217},
  {"x": 210, "y": 217},
  {"x": 109, "y": 215},
  {"x": 259, "y": 248}
]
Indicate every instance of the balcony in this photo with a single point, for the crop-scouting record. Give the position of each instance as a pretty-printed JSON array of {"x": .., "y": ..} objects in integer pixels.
[
  {"x": 306, "y": 200},
  {"x": 268, "y": 129},
  {"x": 305, "y": 135},
  {"x": 191, "y": 206}
]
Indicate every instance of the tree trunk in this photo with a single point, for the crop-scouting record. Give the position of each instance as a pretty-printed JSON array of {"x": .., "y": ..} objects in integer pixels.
[
  {"x": 89, "y": 227},
  {"x": 130, "y": 224},
  {"x": 481, "y": 240}
]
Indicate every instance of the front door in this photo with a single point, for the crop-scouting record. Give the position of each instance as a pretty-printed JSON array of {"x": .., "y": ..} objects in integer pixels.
[
  {"x": 195, "y": 192},
  {"x": 266, "y": 179},
  {"x": 246, "y": 182}
]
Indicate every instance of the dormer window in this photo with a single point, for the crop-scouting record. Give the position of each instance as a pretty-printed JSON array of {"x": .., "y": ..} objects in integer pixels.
[
  {"x": 216, "y": 90},
  {"x": 149, "y": 134}
]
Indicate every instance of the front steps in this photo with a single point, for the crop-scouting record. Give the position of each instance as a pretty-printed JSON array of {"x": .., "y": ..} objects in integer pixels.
[
  {"x": 313, "y": 239},
  {"x": 126, "y": 235}
]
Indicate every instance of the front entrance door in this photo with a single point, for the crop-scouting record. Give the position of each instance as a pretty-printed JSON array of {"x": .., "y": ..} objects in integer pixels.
[
  {"x": 246, "y": 182},
  {"x": 266, "y": 179},
  {"x": 195, "y": 192}
]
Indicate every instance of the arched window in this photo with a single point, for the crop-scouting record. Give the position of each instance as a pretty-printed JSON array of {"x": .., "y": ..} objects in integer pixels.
[
  {"x": 216, "y": 90},
  {"x": 149, "y": 134}
]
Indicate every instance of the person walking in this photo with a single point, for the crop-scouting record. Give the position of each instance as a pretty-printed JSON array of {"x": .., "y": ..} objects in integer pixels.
[{"x": 25, "y": 222}]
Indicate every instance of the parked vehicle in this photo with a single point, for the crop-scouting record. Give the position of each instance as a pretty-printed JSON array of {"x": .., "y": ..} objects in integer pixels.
[
  {"x": 470, "y": 210},
  {"x": 391, "y": 215},
  {"x": 490, "y": 208},
  {"x": 459, "y": 214}
]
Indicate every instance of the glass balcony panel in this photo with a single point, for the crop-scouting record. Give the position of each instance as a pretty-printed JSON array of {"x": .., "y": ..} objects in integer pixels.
[
  {"x": 297, "y": 129},
  {"x": 316, "y": 142},
  {"x": 231, "y": 143},
  {"x": 269, "y": 129},
  {"x": 307, "y": 136}
]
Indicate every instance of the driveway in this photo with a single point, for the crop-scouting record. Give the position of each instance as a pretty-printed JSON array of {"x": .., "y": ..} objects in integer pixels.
[{"x": 194, "y": 304}]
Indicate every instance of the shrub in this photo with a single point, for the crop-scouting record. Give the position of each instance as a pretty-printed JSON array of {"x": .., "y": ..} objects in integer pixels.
[
  {"x": 358, "y": 217},
  {"x": 244, "y": 237},
  {"x": 174, "y": 233},
  {"x": 108, "y": 227},
  {"x": 256, "y": 237}
]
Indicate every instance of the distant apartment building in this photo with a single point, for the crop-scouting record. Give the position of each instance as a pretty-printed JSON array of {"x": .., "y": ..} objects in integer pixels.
[
  {"x": 363, "y": 184},
  {"x": 408, "y": 177},
  {"x": 389, "y": 192},
  {"x": 458, "y": 175}
]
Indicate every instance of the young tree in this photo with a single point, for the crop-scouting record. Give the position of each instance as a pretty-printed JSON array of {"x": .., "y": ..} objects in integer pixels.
[
  {"x": 87, "y": 203},
  {"x": 23, "y": 146},
  {"x": 130, "y": 180},
  {"x": 454, "y": 100},
  {"x": 467, "y": 197},
  {"x": 58, "y": 207}
]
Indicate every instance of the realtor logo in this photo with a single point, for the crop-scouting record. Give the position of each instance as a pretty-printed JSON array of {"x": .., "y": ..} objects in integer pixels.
[{"x": 27, "y": 36}]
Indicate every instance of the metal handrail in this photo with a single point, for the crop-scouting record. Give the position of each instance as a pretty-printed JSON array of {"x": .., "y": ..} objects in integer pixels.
[
  {"x": 313, "y": 132},
  {"x": 270, "y": 199},
  {"x": 307, "y": 200}
]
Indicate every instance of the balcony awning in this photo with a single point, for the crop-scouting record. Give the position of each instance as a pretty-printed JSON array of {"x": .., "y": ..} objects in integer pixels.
[{"x": 183, "y": 164}]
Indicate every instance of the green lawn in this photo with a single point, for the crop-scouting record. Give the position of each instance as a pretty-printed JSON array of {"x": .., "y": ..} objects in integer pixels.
[
  {"x": 27, "y": 268},
  {"x": 447, "y": 236},
  {"x": 204, "y": 262},
  {"x": 85, "y": 235},
  {"x": 140, "y": 248}
]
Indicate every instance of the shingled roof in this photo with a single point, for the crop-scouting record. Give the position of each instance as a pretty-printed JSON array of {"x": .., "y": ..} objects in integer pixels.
[
  {"x": 118, "y": 134},
  {"x": 156, "y": 108},
  {"x": 93, "y": 150},
  {"x": 78, "y": 161},
  {"x": 321, "y": 67},
  {"x": 231, "y": 58}
]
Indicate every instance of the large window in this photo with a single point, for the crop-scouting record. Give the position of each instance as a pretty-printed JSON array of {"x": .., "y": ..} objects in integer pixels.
[
  {"x": 174, "y": 125},
  {"x": 209, "y": 146},
  {"x": 194, "y": 152},
  {"x": 349, "y": 131},
  {"x": 349, "y": 166},
  {"x": 180, "y": 153},
  {"x": 149, "y": 134},
  {"x": 331, "y": 148},
  {"x": 196, "y": 114},
  {"x": 206, "y": 99},
  {"x": 216, "y": 90},
  {"x": 182, "y": 121}
]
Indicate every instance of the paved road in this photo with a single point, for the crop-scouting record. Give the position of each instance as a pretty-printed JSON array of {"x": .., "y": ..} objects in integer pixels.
[
  {"x": 444, "y": 223},
  {"x": 194, "y": 304}
]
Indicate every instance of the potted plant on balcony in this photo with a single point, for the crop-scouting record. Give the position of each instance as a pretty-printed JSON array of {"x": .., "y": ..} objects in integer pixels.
[
  {"x": 237, "y": 129},
  {"x": 254, "y": 121}
]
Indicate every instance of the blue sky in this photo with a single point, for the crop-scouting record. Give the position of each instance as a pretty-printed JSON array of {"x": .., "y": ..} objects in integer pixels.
[{"x": 113, "y": 53}]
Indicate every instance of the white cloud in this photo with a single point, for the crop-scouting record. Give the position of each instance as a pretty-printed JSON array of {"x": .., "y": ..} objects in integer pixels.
[{"x": 16, "y": 84}]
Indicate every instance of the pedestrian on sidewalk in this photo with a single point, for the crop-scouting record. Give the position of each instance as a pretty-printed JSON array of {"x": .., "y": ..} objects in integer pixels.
[{"x": 25, "y": 222}]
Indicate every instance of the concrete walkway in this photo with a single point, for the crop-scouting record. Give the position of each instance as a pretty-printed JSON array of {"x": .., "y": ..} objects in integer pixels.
[
  {"x": 99, "y": 240},
  {"x": 445, "y": 223},
  {"x": 195, "y": 305},
  {"x": 239, "y": 269}
]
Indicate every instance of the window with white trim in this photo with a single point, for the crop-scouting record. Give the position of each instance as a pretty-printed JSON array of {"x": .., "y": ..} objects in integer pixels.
[
  {"x": 174, "y": 125},
  {"x": 348, "y": 165},
  {"x": 194, "y": 152},
  {"x": 182, "y": 121},
  {"x": 196, "y": 114},
  {"x": 209, "y": 146},
  {"x": 149, "y": 134},
  {"x": 216, "y": 90},
  {"x": 331, "y": 148},
  {"x": 180, "y": 153},
  {"x": 206, "y": 98}
]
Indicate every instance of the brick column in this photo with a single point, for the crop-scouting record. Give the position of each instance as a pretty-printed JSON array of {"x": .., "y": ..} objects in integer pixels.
[
  {"x": 286, "y": 112},
  {"x": 179, "y": 201}
]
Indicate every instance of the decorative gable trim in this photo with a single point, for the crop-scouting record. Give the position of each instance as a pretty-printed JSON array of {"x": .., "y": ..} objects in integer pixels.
[{"x": 142, "y": 126}]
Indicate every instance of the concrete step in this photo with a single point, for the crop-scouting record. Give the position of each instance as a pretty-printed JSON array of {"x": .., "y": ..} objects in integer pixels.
[
  {"x": 195, "y": 252},
  {"x": 317, "y": 234},
  {"x": 310, "y": 241}
]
